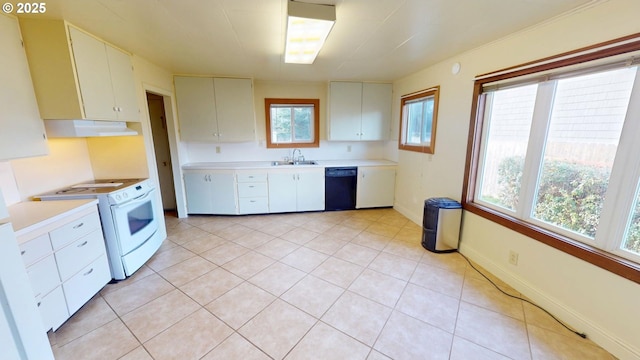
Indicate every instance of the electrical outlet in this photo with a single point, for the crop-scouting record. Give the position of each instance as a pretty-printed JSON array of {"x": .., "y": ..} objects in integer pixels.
[
  {"x": 513, "y": 257},
  {"x": 217, "y": 149},
  {"x": 348, "y": 148}
]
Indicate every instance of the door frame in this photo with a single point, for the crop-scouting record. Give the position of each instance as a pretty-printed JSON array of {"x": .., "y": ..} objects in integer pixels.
[{"x": 175, "y": 151}]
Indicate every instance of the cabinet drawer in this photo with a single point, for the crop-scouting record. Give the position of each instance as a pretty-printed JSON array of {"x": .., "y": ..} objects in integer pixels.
[
  {"x": 252, "y": 189},
  {"x": 43, "y": 276},
  {"x": 252, "y": 177},
  {"x": 35, "y": 249},
  {"x": 74, "y": 230},
  {"x": 259, "y": 205},
  {"x": 86, "y": 283},
  {"x": 53, "y": 309},
  {"x": 78, "y": 254}
]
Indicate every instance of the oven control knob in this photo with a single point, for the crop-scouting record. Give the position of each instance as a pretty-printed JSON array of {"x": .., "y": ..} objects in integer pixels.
[
  {"x": 118, "y": 197},
  {"x": 125, "y": 195}
]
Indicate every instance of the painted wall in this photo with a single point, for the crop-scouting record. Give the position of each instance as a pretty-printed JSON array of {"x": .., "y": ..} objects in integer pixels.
[
  {"x": 257, "y": 150},
  {"x": 67, "y": 163},
  {"x": 590, "y": 299}
]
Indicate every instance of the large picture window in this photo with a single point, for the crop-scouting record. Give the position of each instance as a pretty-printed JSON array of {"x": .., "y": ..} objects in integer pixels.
[
  {"x": 555, "y": 157},
  {"x": 292, "y": 122},
  {"x": 419, "y": 114}
]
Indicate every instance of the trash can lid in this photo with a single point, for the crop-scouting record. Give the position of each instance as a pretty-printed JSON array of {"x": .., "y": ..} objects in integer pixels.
[{"x": 443, "y": 203}]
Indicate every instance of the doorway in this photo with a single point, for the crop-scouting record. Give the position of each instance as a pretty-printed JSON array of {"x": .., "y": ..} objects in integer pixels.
[{"x": 160, "y": 135}]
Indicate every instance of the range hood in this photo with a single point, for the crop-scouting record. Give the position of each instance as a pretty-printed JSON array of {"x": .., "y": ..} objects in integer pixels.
[{"x": 86, "y": 128}]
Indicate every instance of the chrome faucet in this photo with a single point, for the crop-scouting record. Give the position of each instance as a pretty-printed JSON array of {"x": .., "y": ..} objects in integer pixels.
[{"x": 293, "y": 155}]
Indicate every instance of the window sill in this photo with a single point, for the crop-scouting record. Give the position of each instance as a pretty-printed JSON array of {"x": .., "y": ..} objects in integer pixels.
[{"x": 607, "y": 261}]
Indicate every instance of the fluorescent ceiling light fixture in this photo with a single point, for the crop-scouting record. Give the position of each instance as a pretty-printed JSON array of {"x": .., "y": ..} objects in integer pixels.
[{"x": 307, "y": 28}]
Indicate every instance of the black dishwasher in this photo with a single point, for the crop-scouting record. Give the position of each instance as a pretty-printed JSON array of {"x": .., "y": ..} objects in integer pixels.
[{"x": 340, "y": 188}]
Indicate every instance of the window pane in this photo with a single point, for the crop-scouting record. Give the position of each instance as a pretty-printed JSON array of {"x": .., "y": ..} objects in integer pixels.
[
  {"x": 427, "y": 120},
  {"x": 632, "y": 237},
  {"x": 414, "y": 122},
  {"x": 509, "y": 115},
  {"x": 281, "y": 124},
  {"x": 586, "y": 122},
  {"x": 303, "y": 124}
]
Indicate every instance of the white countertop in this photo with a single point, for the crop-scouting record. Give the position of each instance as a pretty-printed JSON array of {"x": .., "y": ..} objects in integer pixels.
[
  {"x": 267, "y": 164},
  {"x": 29, "y": 215}
]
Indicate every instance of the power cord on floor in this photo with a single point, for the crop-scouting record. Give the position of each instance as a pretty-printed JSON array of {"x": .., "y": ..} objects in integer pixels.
[{"x": 582, "y": 335}]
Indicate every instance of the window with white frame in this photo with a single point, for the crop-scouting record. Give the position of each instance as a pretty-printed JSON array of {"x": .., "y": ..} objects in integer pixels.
[
  {"x": 556, "y": 156},
  {"x": 292, "y": 122}
]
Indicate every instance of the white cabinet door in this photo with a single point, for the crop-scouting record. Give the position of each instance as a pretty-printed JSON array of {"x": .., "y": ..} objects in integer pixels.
[
  {"x": 124, "y": 87},
  {"x": 94, "y": 78},
  {"x": 376, "y": 186},
  {"x": 310, "y": 189},
  {"x": 22, "y": 132},
  {"x": 345, "y": 110},
  {"x": 198, "y": 190},
  {"x": 196, "y": 108},
  {"x": 223, "y": 193},
  {"x": 210, "y": 192},
  {"x": 282, "y": 191},
  {"x": 234, "y": 109},
  {"x": 21, "y": 317},
  {"x": 376, "y": 111}
]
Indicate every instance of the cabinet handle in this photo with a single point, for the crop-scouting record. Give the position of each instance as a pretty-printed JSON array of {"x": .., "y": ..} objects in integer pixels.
[
  {"x": 88, "y": 272},
  {"x": 83, "y": 244},
  {"x": 23, "y": 252},
  {"x": 252, "y": 201},
  {"x": 78, "y": 226},
  {"x": 251, "y": 186},
  {"x": 39, "y": 303}
]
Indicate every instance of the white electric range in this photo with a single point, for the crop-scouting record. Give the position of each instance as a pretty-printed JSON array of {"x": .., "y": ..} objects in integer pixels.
[{"x": 127, "y": 210}]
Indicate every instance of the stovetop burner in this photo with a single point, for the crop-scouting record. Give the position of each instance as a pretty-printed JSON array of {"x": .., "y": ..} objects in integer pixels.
[{"x": 92, "y": 188}]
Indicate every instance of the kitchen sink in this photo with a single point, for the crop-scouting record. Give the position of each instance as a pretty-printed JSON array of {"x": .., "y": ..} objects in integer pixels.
[{"x": 304, "y": 162}]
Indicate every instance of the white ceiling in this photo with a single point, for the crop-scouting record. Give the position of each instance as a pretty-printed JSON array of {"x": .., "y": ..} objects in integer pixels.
[{"x": 372, "y": 39}]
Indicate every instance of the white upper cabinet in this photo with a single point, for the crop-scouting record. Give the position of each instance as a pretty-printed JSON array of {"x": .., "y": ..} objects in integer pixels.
[
  {"x": 196, "y": 108},
  {"x": 22, "y": 133},
  {"x": 77, "y": 76},
  {"x": 359, "y": 111},
  {"x": 215, "y": 109}
]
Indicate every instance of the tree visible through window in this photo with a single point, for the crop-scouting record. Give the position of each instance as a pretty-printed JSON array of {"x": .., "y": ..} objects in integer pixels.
[{"x": 292, "y": 122}]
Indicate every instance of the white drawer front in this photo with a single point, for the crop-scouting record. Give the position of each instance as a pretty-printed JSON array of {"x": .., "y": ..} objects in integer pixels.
[
  {"x": 35, "y": 249},
  {"x": 53, "y": 309},
  {"x": 86, "y": 283},
  {"x": 252, "y": 177},
  {"x": 74, "y": 230},
  {"x": 252, "y": 189},
  {"x": 254, "y": 205},
  {"x": 43, "y": 276},
  {"x": 78, "y": 254}
]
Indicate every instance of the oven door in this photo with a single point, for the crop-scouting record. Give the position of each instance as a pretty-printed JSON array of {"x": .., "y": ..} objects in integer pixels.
[{"x": 135, "y": 221}]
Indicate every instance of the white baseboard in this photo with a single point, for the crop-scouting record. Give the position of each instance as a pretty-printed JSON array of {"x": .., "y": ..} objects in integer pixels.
[
  {"x": 594, "y": 332},
  {"x": 416, "y": 218}
]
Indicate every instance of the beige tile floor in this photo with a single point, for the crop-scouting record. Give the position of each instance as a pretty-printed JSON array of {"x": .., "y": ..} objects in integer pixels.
[{"x": 332, "y": 285}]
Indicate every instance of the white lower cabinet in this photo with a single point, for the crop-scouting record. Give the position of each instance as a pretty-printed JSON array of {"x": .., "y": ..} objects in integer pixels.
[
  {"x": 376, "y": 186},
  {"x": 66, "y": 263},
  {"x": 86, "y": 283},
  {"x": 296, "y": 190},
  {"x": 210, "y": 192},
  {"x": 253, "y": 192}
]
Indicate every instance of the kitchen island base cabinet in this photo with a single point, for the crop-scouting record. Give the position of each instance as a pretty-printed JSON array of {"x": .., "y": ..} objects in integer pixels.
[
  {"x": 376, "y": 186},
  {"x": 66, "y": 262},
  {"x": 296, "y": 190},
  {"x": 211, "y": 192}
]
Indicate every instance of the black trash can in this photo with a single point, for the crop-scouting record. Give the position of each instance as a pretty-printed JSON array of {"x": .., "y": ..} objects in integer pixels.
[{"x": 441, "y": 224}]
